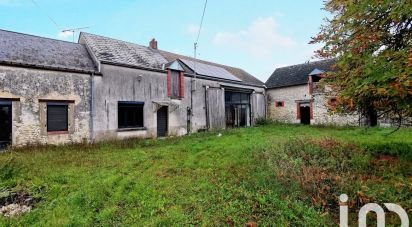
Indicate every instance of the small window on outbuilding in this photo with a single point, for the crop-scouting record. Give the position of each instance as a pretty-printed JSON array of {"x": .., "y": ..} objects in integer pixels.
[
  {"x": 57, "y": 117},
  {"x": 130, "y": 115},
  {"x": 332, "y": 104},
  {"x": 280, "y": 103}
]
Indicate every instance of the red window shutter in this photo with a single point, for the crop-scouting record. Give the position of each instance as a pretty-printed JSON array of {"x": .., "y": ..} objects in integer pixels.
[
  {"x": 311, "y": 110},
  {"x": 297, "y": 111},
  {"x": 182, "y": 84},
  {"x": 169, "y": 83}
]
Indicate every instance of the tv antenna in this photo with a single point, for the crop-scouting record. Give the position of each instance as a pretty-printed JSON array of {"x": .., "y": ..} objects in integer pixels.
[{"x": 74, "y": 30}]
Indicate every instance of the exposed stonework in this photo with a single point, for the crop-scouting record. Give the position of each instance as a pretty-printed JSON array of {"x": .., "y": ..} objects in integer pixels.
[
  {"x": 288, "y": 95},
  {"x": 27, "y": 87},
  {"x": 323, "y": 115},
  {"x": 292, "y": 95}
]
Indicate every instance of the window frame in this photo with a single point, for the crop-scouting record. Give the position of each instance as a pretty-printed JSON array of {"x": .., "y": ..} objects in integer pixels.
[
  {"x": 54, "y": 104},
  {"x": 130, "y": 104},
  {"x": 280, "y": 103},
  {"x": 175, "y": 77}
]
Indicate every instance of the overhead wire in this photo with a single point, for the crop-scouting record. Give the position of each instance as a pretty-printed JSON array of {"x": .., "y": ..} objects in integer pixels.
[
  {"x": 47, "y": 15},
  {"x": 201, "y": 22}
]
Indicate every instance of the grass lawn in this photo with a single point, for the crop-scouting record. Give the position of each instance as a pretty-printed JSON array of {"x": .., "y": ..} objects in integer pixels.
[{"x": 272, "y": 174}]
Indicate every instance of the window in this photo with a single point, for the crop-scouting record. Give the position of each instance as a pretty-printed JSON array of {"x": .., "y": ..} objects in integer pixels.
[
  {"x": 280, "y": 103},
  {"x": 57, "y": 117},
  {"x": 245, "y": 98},
  {"x": 130, "y": 115},
  {"x": 175, "y": 84},
  {"x": 332, "y": 104}
]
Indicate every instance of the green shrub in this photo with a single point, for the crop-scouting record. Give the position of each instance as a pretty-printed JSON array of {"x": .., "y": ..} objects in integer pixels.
[{"x": 263, "y": 121}]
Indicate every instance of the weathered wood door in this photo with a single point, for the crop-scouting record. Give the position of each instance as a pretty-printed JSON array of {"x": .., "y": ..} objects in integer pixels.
[
  {"x": 216, "y": 108},
  {"x": 258, "y": 106},
  {"x": 162, "y": 121},
  {"x": 5, "y": 124}
]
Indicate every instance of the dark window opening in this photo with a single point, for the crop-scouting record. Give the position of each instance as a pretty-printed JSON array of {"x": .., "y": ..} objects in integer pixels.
[
  {"x": 316, "y": 79},
  {"x": 130, "y": 115},
  {"x": 57, "y": 117},
  {"x": 280, "y": 104},
  {"x": 332, "y": 104}
]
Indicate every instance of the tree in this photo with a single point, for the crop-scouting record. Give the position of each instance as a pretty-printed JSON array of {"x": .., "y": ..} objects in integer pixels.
[{"x": 372, "y": 43}]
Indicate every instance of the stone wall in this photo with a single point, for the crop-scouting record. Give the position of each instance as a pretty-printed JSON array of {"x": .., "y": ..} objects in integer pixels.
[
  {"x": 28, "y": 87},
  {"x": 323, "y": 115},
  {"x": 289, "y": 96}
]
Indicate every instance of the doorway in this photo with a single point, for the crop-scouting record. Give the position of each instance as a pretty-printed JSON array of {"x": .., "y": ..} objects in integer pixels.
[
  {"x": 237, "y": 109},
  {"x": 5, "y": 124},
  {"x": 305, "y": 114},
  {"x": 162, "y": 121}
]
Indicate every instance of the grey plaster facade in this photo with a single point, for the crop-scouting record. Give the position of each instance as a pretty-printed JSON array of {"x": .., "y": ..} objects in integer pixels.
[{"x": 119, "y": 83}]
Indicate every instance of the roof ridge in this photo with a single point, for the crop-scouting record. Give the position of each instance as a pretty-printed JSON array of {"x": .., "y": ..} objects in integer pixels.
[
  {"x": 116, "y": 39},
  {"x": 160, "y": 50},
  {"x": 42, "y": 37},
  {"x": 307, "y": 63},
  {"x": 167, "y": 56}
]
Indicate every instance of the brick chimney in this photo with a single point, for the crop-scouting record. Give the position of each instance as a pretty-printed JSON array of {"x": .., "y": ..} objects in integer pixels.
[{"x": 153, "y": 44}]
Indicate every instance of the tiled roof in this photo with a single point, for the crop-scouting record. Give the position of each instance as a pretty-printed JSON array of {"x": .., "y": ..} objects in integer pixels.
[
  {"x": 297, "y": 74},
  {"x": 122, "y": 52},
  {"x": 29, "y": 50}
]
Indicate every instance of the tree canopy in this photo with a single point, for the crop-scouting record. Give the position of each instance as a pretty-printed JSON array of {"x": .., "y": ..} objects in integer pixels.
[{"x": 372, "y": 42}]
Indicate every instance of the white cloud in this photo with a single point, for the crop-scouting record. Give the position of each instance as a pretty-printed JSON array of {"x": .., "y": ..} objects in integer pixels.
[
  {"x": 65, "y": 35},
  {"x": 261, "y": 39},
  {"x": 192, "y": 29}
]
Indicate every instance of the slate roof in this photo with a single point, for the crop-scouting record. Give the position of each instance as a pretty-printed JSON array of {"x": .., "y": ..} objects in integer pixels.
[
  {"x": 108, "y": 50},
  {"x": 116, "y": 51},
  {"x": 297, "y": 74},
  {"x": 29, "y": 50},
  {"x": 244, "y": 76}
]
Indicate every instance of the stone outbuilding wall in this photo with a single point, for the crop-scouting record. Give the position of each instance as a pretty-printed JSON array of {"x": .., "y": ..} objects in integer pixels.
[
  {"x": 30, "y": 89},
  {"x": 292, "y": 95},
  {"x": 288, "y": 96}
]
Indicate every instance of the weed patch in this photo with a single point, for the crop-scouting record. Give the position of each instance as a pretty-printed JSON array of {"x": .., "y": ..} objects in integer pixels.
[{"x": 323, "y": 169}]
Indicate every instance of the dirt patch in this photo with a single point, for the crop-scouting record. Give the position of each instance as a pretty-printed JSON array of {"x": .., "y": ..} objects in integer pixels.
[{"x": 16, "y": 203}]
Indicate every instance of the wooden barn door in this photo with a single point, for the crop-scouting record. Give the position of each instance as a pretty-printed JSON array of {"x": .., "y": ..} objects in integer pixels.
[{"x": 215, "y": 108}]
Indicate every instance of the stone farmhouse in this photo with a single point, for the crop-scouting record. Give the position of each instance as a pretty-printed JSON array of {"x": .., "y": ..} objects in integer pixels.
[
  {"x": 54, "y": 92},
  {"x": 294, "y": 96}
]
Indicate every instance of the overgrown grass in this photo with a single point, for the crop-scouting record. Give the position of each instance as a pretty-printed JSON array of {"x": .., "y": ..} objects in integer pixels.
[{"x": 246, "y": 175}]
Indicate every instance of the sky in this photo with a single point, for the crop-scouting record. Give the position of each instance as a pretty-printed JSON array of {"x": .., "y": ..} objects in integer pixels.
[{"x": 255, "y": 35}]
